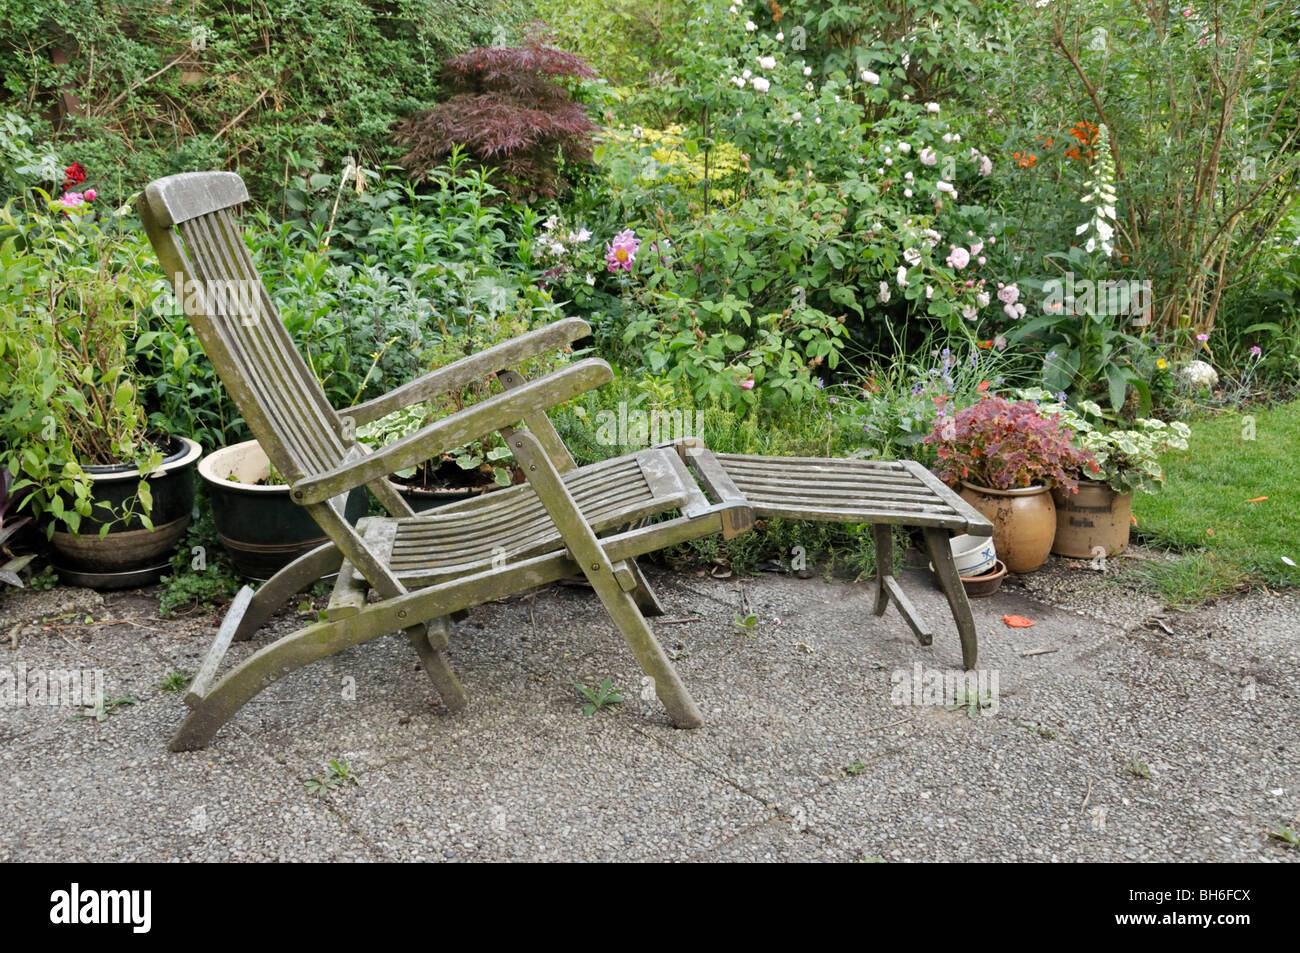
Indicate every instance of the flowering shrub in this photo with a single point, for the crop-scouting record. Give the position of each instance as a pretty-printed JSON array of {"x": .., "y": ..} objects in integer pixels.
[
  {"x": 666, "y": 164},
  {"x": 71, "y": 396},
  {"x": 881, "y": 176},
  {"x": 1007, "y": 445}
]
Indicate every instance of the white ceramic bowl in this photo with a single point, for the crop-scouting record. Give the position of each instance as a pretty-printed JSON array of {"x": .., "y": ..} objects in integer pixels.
[{"x": 973, "y": 554}]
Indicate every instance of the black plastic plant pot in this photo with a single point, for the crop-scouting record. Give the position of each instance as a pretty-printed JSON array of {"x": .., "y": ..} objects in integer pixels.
[
  {"x": 422, "y": 499},
  {"x": 261, "y": 528},
  {"x": 130, "y": 554}
]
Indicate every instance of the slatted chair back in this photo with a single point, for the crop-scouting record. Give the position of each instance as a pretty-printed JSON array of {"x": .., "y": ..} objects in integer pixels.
[{"x": 190, "y": 222}]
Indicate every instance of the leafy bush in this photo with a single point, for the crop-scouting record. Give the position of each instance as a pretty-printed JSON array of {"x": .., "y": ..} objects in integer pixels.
[
  {"x": 510, "y": 108},
  {"x": 888, "y": 409},
  {"x": 1197, "y": 200},
  {"x": 71, "y": 395},
  {"x": 1127, "y": 459},
  {"x": 150, "y": 89}
]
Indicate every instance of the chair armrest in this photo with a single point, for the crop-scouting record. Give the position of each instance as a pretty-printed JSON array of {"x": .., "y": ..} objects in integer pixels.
[
  {"x": 456, "y": 430},
  {"x": 467, "y": 370}
]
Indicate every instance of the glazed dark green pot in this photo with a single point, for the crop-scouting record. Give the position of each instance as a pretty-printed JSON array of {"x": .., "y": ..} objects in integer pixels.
[
  {"x": 130, "y": 554},
  {"x": 261, "y": 528}
]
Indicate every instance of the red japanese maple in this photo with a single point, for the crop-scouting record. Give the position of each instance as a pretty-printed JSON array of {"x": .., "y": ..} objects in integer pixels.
[{"x": 510, "y": 108}]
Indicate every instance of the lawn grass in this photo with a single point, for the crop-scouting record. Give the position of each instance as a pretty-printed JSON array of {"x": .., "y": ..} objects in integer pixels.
[{"x": 1204, "y": 509}]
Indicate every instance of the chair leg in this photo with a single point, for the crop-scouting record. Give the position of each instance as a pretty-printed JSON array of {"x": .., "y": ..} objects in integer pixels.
[
  {"x": 884, "y": 537},
  {"x": 429, "y": 641},
  {"x": 936, "y": 543},
  {"x": 645, "y": 597},
  {"x": 285, "y": 584},
  {"x": 260, "y": 670},
  {"x": 672, "y": 692}
]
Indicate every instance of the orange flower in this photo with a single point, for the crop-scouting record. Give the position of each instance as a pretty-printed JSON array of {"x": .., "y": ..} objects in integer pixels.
[{"x": 1025, "y": 161}]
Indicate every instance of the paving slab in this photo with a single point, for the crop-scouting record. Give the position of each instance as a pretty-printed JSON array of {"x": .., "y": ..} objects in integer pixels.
[{"x": 1121, "y": 731}]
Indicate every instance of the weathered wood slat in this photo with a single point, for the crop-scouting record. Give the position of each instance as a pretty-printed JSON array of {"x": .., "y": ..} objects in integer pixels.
[
  {"x": 884, "y": 469},
  {"x": 812, "y": 461},
  {"x": 802, "y": 497},
  {"x": 474, "y": 368},
  {"x": 520, "y": 522},
  {"x": 512, "y": 543},
  {"x": 977, "y": 524},
  {"x": 217, "y": 650},
  {"x": 847, "y": 491}
]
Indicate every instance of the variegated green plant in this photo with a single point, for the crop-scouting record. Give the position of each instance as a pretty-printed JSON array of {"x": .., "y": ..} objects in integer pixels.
[{"x": 1129, "y": 459}]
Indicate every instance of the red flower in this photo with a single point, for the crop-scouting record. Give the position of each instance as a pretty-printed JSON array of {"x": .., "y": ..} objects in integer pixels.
[
  {"x": 984, "y": 385},
  {"x": 74, "y": 174}
]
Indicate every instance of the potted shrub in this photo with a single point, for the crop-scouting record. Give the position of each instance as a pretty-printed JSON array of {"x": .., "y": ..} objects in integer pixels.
[
  {"x": 261, "y": 528},
  {"x": 112, "y": 495},
  {"x": 1098, "y": 519},
  {"x": 1006, "y": 456},
  {"x": 468, "y": 471}
]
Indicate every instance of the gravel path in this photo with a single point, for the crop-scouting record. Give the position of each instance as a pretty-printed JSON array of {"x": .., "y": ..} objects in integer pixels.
[{"x": 1121, "y": 732}]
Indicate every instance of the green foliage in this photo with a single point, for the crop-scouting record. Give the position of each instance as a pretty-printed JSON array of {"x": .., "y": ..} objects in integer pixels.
[
  {"x": 23, "y": 165},
  {"x": 338, "y": 773},
  {"x": 601, "y": 697},
  {"x": 632, "y": 43},
  {"x": 176, "y": 682},
  {"x": 74, "y": 287},
  {"x": 201, "y": 84},
  {"x": 201, "y": 575},
  {"x": 1204, "y": 170},
  {"x": 1285, "y": 836},
  {"x": 44, "y": 580},
  {"x": 1128, "y": 458},
  {"x": 889, "y": 407},
  {"x": 1088, "y": 349}
]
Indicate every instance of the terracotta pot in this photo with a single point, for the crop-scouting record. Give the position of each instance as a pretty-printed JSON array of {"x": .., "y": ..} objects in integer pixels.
[
  {"x": 990, "y": 582},
  {"x": 1024, "y": 522},
  {"x": 1093, "y": 522}
]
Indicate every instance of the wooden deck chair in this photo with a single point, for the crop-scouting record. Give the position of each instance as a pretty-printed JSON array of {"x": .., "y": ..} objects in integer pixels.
[{"x": 564, "y": 520}]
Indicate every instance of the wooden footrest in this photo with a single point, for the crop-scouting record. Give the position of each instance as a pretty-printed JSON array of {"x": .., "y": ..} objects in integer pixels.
[
  {"x": 884, "y": 493},
  {"x": 898, "y": 492}
]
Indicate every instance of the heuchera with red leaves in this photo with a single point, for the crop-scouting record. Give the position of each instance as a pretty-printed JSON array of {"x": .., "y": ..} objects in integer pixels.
[
  {"x": 1007, "y": 445},
  {"x": 510, "y": 109}
]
